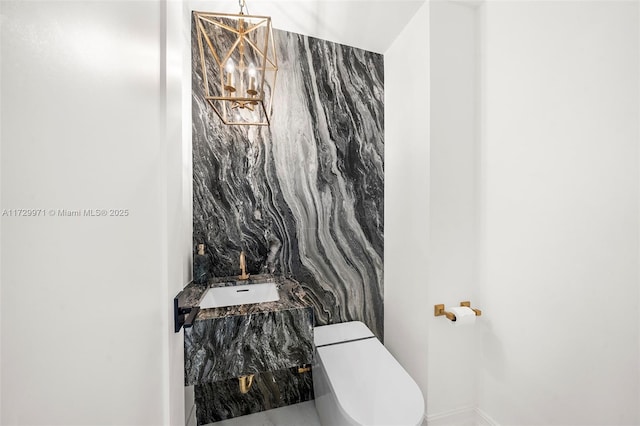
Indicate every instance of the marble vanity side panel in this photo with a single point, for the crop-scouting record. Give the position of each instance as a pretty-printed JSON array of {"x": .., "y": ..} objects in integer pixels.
[
  {"x": 223, "y": 400},
  {"x": 223, "y": 348},
  {"x": 304, "y": 197}
]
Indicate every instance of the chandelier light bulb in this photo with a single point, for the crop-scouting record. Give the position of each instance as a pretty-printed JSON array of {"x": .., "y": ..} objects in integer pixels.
[
  {"x": 230, "y": 68},
  {"x": 230, "y": 81},
  {"x": 251, "y": 91}
]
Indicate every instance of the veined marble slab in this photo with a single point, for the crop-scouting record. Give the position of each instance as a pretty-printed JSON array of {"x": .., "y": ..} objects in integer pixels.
[
  {"x": 292, "y": 296},
  {"x": 229, "y": 342},
  {"x": 303, "y": 197},
  {"x": 223, "y": 400}
]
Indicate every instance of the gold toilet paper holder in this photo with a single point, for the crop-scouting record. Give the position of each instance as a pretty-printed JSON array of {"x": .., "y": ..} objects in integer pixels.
[{"x": 438, "y": 311}]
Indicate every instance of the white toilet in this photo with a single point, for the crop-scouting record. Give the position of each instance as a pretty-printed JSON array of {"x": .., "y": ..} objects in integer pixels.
[{"x": 356, "y": 381}]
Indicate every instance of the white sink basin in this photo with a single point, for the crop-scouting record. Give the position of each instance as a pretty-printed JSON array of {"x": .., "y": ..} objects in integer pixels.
[{"x": 218, "y": 297}]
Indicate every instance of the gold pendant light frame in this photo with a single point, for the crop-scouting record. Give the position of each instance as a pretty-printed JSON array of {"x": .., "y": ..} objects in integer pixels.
[{"x": 239, "y": 66}]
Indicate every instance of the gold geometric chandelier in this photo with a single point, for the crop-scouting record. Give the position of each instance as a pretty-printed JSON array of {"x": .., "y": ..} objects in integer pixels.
[{"x": 239, "y": 65}]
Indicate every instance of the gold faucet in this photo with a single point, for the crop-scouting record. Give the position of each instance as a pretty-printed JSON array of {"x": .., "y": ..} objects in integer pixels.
[{"x": 243, "y": 267}]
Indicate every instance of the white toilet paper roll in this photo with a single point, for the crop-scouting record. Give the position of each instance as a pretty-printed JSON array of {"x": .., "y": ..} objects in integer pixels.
[{"x": 464, "y": 315}]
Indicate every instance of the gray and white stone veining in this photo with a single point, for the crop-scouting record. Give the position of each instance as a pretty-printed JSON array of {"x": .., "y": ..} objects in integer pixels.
[
  {"x": 292, "y": 296},
  {"x": 303, "y": 197},
  {"x": 233, "y": 346},
  {"x": 223, "y": 400}
]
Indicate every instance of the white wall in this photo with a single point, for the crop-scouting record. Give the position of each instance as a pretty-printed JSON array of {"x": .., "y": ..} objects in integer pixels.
[
  {"x": 559, "y": 213},
  {"x": 430, "y": 206},
  {"x": 537, "y": 215},
  {"x": 91, "y": 119},
  {"x": 452, "y": 241},
  {"x": 406, "y": 196},
  {"x": 175, "y": 70}
]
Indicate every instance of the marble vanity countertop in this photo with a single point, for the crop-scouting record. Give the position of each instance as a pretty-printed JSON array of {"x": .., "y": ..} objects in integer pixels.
[
  {"x": 229, "y": 342},
  {"x": 292, "y": 296}
]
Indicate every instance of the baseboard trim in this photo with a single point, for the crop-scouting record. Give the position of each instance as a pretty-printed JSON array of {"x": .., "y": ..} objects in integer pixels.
[
  {"x": 483, "y": 419},
  {"x": 464, "y": 416}
]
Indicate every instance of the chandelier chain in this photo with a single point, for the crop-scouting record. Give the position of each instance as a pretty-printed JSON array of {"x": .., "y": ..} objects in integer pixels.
[{"x": 243, "y": 6}]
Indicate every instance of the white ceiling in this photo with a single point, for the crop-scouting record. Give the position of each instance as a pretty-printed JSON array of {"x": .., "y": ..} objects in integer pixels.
[{"x": 366, "y": 24}]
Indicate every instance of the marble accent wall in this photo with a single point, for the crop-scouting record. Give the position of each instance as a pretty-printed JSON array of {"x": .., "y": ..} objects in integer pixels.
[{"x": 304, "y": 197}]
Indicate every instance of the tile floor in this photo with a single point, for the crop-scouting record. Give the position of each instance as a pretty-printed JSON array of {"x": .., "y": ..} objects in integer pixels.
[{"x": 303, "y": 414}]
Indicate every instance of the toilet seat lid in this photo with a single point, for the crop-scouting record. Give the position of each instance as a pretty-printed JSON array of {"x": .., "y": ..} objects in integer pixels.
[
  {"x": 341, "y": 332},
  {"x": 370, "y": 385}
]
